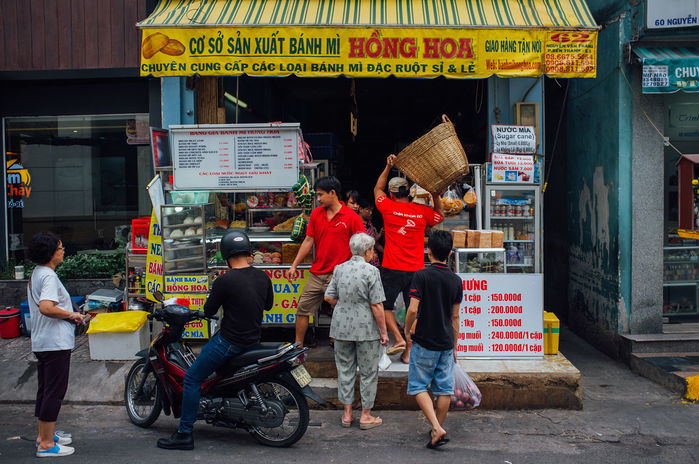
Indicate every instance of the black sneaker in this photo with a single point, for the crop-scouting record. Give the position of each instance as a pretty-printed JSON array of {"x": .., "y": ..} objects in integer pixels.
[{"x": 179, "y": 441}]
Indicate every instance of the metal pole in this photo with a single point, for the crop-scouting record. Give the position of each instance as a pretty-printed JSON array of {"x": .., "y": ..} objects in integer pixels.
[{"x": 237, "y": 97}]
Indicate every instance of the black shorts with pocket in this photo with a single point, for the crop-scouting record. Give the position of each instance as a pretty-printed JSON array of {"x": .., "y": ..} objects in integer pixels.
[{"x": 396, "y": 282}]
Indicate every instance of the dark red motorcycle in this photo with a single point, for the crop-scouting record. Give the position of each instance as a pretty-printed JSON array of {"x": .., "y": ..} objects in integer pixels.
[{"x": 263, "y": 390}]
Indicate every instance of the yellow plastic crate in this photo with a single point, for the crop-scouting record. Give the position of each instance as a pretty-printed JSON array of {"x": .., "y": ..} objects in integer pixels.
[{"x": 552, "y": 328}]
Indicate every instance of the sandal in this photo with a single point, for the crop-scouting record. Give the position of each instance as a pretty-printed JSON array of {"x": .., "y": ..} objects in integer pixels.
[
  {"x": 370, "y": 425},
  {"x": 345, "y": 425},
  {"x": 442, "y": 441},
  {"x": 395, "y": 350}
]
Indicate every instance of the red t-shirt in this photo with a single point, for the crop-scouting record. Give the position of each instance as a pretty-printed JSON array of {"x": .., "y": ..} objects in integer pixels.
[
  {"x": 404, "y": 224},
  {"x": 331, "y": 238}
]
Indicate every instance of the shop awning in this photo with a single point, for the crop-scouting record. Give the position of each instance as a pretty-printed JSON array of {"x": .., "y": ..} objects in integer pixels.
[
  {"x": 668, "y": 70},
  {"x": 370, "y": 38}
]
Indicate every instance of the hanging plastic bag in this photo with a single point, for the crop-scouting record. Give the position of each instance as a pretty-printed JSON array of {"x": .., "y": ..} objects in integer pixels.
[
  {"x": 451, "y": 202},
  {"x": 466, "y": 393},
  {"x": 305, "y": 155},
  {"x": 470, "y": 198},
  {"x": 384, "y": 360},
  {"x": 421, "y": 196}
]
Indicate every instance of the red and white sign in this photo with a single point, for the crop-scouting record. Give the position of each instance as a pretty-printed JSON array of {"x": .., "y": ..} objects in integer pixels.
[
  {"x": 513, "y": 139},
  {"x": 516, "y": 169},
  {"x": 501, "y": 316}
]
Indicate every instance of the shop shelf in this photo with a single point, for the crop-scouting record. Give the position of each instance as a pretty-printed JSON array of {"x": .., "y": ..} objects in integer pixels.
[
  {"x": 507, "y": 218},
  {"x": 679, "y": 283},
  {"x": 518, "y": 241}
]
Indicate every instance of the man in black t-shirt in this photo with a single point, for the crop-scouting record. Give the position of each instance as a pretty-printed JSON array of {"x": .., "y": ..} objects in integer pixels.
[
  {"x": 244, "y": 293},
  {"x": 435, "y": 295}
]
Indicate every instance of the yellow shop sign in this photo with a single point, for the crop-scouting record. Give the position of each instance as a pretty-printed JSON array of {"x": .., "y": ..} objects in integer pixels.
[{"x": 417, "y": 52}]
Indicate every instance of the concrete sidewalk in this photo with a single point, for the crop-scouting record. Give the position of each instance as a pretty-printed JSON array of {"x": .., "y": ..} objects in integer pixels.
[
  {"x": 626, "y": 419},
  {"x": 552, "y": 382}
]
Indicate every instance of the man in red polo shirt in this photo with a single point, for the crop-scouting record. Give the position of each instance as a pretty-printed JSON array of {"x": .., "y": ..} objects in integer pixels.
[
  {"x": 329, "y": 228},
  {"x": 404, "y": 253}
]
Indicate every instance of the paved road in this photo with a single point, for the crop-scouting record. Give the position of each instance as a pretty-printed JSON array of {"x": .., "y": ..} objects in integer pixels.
[{"x": 626, "y": 419}]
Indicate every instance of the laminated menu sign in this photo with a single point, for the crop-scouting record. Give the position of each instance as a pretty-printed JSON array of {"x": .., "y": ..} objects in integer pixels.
[
  {"x": 512, "y": 169},
  {"x": 501, "y": 316},
  {"x": 235, "y": 156},
  {"x": 513, "y": 139}
]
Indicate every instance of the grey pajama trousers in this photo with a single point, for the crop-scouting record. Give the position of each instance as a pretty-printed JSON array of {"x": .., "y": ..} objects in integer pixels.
[{"x": 349, "y": 355}]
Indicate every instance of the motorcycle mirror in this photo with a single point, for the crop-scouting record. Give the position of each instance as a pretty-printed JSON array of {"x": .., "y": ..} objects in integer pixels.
[{"x": 158, "y": 295}]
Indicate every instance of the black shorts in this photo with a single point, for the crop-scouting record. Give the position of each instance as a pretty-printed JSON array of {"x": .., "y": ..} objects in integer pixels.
[{"x": 396, "y": 282}]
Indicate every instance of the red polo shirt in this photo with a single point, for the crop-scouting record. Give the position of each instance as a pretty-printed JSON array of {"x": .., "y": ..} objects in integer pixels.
[{"x": 331, "y": 238}]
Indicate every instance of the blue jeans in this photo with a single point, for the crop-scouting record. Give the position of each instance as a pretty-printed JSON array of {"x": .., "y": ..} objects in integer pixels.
[
  {"x": 433, "y": 369},
  {"x": 213, "y": 355}
]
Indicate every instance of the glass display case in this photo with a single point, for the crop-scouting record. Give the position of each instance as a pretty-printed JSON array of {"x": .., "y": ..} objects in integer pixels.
[
  {"x": 516, "y": 211},
  {"x": 680, "y": 278},
  {"x": 184, "y": 237},
  {"x": 478, "y": 260}
]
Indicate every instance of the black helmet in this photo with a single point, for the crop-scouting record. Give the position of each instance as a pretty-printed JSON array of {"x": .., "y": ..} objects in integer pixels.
[{"x": 234, "y": 243}]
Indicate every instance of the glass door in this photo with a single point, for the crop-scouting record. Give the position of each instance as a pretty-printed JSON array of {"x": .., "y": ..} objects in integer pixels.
[{"x": 515, "y": 210}]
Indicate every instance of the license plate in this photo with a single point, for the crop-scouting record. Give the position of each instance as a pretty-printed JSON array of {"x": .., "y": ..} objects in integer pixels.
[{"x": 301, "y": 376}]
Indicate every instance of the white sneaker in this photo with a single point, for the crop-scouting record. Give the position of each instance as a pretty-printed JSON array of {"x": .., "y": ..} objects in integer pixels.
[
  {"x": 62, "y": 438},
  {"x": 57, "y": 450},
  {"x": 59, "y": 439}
]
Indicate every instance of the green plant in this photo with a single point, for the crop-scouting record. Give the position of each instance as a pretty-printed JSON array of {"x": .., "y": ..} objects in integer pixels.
[
  {"x": 85, "y": 266},
  {"x": 7, "y": 269}
]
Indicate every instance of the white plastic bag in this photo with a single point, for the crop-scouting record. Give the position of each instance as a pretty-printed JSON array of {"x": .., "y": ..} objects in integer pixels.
[
  {"x": 466, "y": 393},
  {"x": 384, "y": 360}
]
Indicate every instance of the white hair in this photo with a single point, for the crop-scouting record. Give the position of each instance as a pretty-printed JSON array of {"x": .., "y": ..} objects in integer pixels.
[{"x": 360, "y": 243}]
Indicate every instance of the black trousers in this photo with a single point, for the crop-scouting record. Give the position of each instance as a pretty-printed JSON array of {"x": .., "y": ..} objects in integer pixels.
[{"x": 53, "y": 370}]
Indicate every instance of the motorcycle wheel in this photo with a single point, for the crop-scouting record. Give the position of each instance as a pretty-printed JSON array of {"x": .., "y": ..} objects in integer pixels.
[
  {"x": 295, "y": 417},
  {"x": 145, "y": 408}
]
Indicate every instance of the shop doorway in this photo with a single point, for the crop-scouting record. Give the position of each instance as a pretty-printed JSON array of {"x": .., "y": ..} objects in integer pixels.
[{"x": 390, "y": 114}]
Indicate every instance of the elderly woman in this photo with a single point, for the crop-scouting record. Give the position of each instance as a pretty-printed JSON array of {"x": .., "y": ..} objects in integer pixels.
[
  {"x": 358, "y": 327},
  {"x": 53, "y": 338}
]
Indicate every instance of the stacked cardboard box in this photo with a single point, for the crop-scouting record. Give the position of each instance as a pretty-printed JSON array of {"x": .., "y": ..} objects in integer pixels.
[{"x": 478, "y": 238}]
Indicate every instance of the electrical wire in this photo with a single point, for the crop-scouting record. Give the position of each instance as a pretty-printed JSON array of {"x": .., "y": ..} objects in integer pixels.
[
  {"x": 637, "y": 104},
  {"x": 666, "y": 140}
]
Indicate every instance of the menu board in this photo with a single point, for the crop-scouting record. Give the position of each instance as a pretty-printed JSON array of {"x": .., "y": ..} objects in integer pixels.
[
  {"x": 512, "y": 169},
  {"x": 235, "y": 156},
  {"x": 501, "y": 316}
]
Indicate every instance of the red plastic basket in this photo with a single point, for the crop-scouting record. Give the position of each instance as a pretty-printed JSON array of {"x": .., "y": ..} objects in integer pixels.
[{"x": 139, "y": 235}]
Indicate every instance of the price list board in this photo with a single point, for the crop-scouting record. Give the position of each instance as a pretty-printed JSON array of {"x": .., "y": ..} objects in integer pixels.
[
  {"x": 501, "y": 316},
  {"x": 235, "y": 157}
]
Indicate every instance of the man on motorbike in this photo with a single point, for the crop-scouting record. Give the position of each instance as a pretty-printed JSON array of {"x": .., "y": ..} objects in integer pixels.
[{"x": 244, "y": 293}]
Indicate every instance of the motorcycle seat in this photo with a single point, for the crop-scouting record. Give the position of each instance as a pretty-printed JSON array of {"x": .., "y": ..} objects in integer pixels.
[{"x": 251, "y": 355}]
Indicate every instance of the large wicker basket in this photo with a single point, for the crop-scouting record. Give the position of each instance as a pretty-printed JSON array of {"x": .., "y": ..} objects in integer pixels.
[{"x": 435, "y": 160}]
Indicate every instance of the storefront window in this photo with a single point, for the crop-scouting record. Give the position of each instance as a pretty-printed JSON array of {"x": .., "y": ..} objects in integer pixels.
[
  {"x": 681, "y": 254},
  {"x": 79, "y": 176}
]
